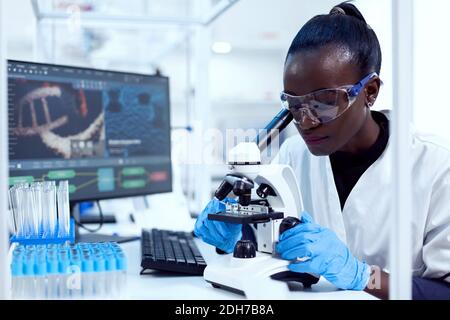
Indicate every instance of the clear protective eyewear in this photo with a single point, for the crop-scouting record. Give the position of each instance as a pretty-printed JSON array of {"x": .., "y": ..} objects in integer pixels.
[{"x": 324, "y": 105}]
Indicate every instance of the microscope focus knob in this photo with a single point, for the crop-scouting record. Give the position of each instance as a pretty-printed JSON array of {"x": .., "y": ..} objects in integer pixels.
[
  {"x": 244, "y": 249},
  {"x": 288, "y": 223}
]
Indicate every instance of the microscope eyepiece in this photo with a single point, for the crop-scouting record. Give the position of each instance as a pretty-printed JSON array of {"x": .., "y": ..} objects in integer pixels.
[
  {"x": 223, "y": 190},
  {"x": 243, "y": 189},
  {"x": 239, "y": 184}
]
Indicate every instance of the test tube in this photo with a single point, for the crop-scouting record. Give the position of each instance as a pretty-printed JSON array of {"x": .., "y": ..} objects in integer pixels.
[
  {"x": 110, "y": 268},
  {"x": 122, "y": 276},
  {"x": 47, "y": 230},
  {"x": 63, "y": 209},
  {"x": 64, "y": 264},
  {"x": 13, "y": 209},
  {"x": 40, "y": 276},
  {"x": 20, "y": 203},
  {"x": 18, "y": 198},
  {"x": 52, "y": 274},
  {"x": 28, "y": 271},
  {"x": 29, "y": 211},
  {"x": 49, "y": 206},
  {"x": 76, "y": 269},
  {"x": 99, "y": 269},
  {"x": 87, "y": 278},
  {"x": 17, "y": 276},
  {"x": 36, "y": 190}
]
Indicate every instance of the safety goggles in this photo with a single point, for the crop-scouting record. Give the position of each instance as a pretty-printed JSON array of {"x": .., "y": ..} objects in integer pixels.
[{"x": 325, "y": 105}]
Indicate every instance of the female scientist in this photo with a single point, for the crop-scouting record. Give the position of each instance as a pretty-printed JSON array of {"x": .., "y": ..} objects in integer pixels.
[{"x": 342, "y": 162}]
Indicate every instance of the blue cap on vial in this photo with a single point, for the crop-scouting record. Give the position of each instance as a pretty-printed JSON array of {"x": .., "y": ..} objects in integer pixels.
[
  {"x": 87, "y": 265},
  {"x": 63, "y": 253},
  {"x": 28, "y": 267},
  {"x": 110, "y": 262},
  {"x": 116, "y": 248},
  {"x": 17, "y": 267},
  {"x": 99, "y": 263},
  {"x": 76, "y": 261},
  {"x": 41, "y": 266},
  {"x": 64, "y": 265},
  {"x": 19, "y": 250},
  {"x": 121, "y": 262},
  {"x": 52, "y": 246},
  {"x": 52, "y": 265}
]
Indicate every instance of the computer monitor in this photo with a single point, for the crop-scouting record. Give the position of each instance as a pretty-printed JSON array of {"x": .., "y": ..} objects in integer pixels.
[{"x": 107, "y": 133}]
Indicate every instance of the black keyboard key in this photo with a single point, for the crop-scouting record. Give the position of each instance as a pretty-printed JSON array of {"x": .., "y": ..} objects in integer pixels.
[
  {"x": 194, "y": 249},
  {"x": 187, "y": 253},
  {"x": 201, "y": 263}
]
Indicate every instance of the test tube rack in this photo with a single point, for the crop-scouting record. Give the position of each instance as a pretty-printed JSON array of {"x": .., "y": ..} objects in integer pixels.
[{"x": 46, "y": 239}]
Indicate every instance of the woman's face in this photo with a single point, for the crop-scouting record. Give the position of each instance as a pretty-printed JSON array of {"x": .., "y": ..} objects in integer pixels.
[{"x": 325, "y": 68}]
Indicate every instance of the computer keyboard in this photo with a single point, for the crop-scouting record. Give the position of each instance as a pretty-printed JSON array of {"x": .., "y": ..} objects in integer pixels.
[{"x": 173, "y": 251}]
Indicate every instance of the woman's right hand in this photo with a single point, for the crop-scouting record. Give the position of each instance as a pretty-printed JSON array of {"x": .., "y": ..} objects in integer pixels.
[{"x": 217, "y": 233}]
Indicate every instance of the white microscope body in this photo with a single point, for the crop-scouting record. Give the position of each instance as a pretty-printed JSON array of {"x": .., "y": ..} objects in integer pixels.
[{"x": 279, "y": 192}]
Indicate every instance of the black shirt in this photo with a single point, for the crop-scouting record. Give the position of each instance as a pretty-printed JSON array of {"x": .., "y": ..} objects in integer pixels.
[{"x": 348, "y": 167}]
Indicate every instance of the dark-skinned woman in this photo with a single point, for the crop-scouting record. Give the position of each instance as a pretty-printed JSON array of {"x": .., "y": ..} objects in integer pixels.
[{"x": 342, "y": 160}]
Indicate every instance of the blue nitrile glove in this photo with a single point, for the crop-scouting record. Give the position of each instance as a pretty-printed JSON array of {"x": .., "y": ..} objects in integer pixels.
[
  {"x": 326, "y": 255},
  {"x": 217, "y": 233}
]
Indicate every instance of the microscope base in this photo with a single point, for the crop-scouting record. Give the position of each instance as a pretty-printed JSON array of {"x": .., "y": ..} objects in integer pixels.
[{"x": 238, "y": 275}]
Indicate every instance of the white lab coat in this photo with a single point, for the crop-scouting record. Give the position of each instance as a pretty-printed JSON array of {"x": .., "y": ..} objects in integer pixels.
[{"x": 363, "y": 223}]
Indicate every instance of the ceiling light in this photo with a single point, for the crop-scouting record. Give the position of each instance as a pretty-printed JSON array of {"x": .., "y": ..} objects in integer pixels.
[{"x": 221, "y": 47}]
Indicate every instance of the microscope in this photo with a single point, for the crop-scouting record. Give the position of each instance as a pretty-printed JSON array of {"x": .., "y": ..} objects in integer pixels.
[{"x": 269, "y": 200}]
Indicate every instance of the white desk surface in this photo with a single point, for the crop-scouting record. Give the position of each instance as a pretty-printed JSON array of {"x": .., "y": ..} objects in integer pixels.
[{"x": 169, "y": 286}]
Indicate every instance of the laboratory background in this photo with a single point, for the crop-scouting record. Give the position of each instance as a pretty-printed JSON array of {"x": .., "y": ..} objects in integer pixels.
[{"x": 190, "y": 73}]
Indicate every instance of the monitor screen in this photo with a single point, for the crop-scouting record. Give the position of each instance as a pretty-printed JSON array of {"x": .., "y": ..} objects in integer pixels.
[{"x": 107, "y": 133}]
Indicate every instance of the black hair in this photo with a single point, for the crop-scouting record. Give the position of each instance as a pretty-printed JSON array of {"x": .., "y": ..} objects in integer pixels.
[{"x": 345, "y": 27}]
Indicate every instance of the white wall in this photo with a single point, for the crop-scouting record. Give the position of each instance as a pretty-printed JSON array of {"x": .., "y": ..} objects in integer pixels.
[
  {"x": 20, "y": 28},
  {"x": 378, "y": 16},
  {"x": 251, "y": 76},
  {"x": 432, "y": 66}
]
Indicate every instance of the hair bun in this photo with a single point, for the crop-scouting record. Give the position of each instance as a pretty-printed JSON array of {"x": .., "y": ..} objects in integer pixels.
[
  {"x": 337, "y": 10},
  {"x": 348, "y": 9}
]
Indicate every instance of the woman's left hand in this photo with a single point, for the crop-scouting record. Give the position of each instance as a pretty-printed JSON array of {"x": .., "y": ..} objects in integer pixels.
[{"x": 325, "y": 255}]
